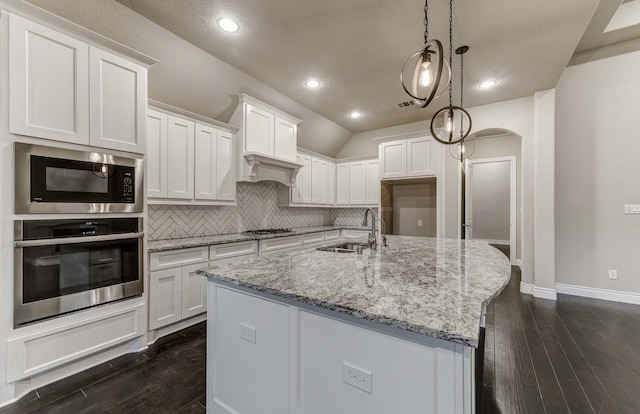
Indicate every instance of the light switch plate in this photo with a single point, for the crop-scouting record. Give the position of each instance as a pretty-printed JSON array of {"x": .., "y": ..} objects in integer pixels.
[
  {"x": 632, "y": 209},
  {"x": 248, "y": 333},
  {"x": 357, "y": 377}
]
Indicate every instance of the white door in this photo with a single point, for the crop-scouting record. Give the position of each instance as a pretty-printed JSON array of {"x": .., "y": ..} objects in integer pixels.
[
  {"x": 357, "y": 182},
  {"x": 286, "y": 139},
  {"x": 421, "y": 159},
  {"x": 118, "y": 93},
  {"x": 331, "y": 183},
  {"x": 342, "y": 184},
  {"x": 205, "y": 163},
  {"x": 49, "y": 87},
  {"x": 259, "y": 131},
  {"x": 372, "y": 192},
  {"x": 393, "y": 156},
  {"x": 156, "y": 159},
  {"x": 180, "y": 143},
  {"x": 490, "y": 201},
  {"x": 194, "y": 291},
  {"x": 165, "y": 297},
  {"x": 225, "y": 173}
]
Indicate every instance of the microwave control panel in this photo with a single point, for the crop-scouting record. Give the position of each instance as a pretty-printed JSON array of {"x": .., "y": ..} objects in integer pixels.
[{"x": 127, "y": 186}]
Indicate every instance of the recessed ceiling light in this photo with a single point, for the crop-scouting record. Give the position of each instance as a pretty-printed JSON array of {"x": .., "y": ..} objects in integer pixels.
[
  {"x": 355, "y": 115},
  {"x": 488, "y": 84},
  {"x": 228, "y": 25},
  {"x": 312, "y": 83}
]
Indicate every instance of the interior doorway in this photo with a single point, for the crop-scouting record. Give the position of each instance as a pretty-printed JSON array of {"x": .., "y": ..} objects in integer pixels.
[
  {"x": 490, "y": 201},
  {"x": 409, "y": 207}
]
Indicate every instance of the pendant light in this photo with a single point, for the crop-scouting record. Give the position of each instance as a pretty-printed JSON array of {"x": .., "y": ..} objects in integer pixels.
[
  {"x": 427, "y": 69},
  {"x": 467, "y": 146},
  {"x": 444, "y": 123}
]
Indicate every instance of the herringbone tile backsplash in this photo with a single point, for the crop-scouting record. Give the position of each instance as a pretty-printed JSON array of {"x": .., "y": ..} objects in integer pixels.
[{"x": 257, "y": 208}]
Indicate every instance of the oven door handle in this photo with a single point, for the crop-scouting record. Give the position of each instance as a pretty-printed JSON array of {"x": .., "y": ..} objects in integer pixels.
[{"x": 75, "y": 240}]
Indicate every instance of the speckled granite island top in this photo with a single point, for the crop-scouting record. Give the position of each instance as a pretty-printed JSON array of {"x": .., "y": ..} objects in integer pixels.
[{"x": 435, "y": 287}]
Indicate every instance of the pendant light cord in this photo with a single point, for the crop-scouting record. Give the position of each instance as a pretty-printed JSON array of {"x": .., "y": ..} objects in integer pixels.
[
  {"x": 426, "y": 22},
  {"x": 461, "y": 91},
  {"x": 451, "y": 50}
]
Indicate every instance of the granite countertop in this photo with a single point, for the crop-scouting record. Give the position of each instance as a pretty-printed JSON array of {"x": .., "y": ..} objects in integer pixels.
[
  {"x": 434, "y": 287},
  {"x": 173, "y": 244}
]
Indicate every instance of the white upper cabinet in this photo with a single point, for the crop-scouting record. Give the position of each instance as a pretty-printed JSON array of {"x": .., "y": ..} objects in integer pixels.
[
  {"x": 421, "y": 157},
  {"x": 393, "y": 159},
  {"x": 189, "y": 162},
  {"x": 181, "y": 150},
  {"x": 286, "y": 139},
  {"x": 331, "y": 183},
  {"x": 67, "y": 90},
  {"x": 301, "y": 191},
  {"x": 49, "y": 87},
  {"x": 118, "y": 101},
  {"x": 357, "y": 182},
  {"x": 372, "y": 191},
  {"x": 319, "y": 177},
  {"x": 413, "y": 157},
  {"x": 259, "y": 131},
  {"x": 342, "y": 184},
  {"x": 156, "y": 160}
]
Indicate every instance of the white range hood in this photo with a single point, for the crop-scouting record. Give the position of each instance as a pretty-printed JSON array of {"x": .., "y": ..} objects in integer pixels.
[{"x": 267, "y": 141}]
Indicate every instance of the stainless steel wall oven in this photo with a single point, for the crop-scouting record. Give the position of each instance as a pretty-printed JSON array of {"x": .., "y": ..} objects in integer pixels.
[
  {"x": 55, "y": 180},
  {"x": 66, "y": 265}
]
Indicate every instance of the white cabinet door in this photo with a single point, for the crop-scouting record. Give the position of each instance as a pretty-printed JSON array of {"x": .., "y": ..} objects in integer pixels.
[
  {"x": 118, "y": 93},
  {"x": 302, "y": 189},
  {"x": 372, "y": 193},
  {"x": 181, "y": 157},
  {"x": 225, "y": 172},
  {"x": 342, "y": 184},
  {"x": 421, "y": 157},
  {"x": 206, "y": 180},
  {"x": 357, "y": 182},
  {"x": 259, "y": 131},
  {"x": 165, "y": 298},
  {"x": 393, "y": 157},
  {"x": 156, "y": 159},
  {"x": 49, "y": 87},
  {"x": 318, "y": 181},
  {"x": 286, "y": 139},
  {"x": 331, "y": 183},
  {"x": 194, "y": 291}
]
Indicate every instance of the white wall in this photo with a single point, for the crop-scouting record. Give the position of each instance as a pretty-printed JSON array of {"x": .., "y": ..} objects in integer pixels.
[
  {"x": 188, "y": 77},
  {"x": 597, "y": 172}
]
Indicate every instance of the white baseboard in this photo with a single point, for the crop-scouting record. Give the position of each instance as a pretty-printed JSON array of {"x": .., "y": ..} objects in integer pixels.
[
  {"x": 518, "y": 262},
  {"x": 538, "y": 292},
  {"x": 493, "y": 241},
  {"x": 595, "y": 293}
]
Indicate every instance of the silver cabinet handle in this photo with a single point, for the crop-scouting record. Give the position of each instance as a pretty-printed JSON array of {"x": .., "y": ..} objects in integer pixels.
[{"x": 76, "y": 240}]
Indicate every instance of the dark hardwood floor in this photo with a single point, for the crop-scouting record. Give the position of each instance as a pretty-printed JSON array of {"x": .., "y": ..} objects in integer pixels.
[{"x": 575, "y": 355}]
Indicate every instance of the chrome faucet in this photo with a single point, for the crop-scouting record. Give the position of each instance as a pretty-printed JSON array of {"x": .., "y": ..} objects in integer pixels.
[
  {"x": 373, "y": 244},
  {"x": 384, "y": 232}
]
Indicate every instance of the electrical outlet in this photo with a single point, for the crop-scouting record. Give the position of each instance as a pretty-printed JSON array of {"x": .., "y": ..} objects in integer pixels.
[
  {"x": 632, "y": 209},
  {"x": 248, "y": 333},
  {"x": 357, "y": 377},
  {"x": 613, "y": 274},
  {"x": 419, "y": 223}
]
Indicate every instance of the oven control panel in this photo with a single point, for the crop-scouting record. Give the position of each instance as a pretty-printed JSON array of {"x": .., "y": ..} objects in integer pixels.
[{"x": 127, "y": 186}]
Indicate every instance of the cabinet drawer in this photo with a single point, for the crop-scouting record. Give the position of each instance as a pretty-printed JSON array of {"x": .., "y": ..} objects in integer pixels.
[
  {"x": 354, "y": 234},
  {"x": 312, "y": 238},
  {"x": 331, "y": 235},
  {"x": 235, "y": 259},
  {"x": 223, "y": 251},
  {"x": 174, "y": 258},
  {"x": 280, "y": 243}
]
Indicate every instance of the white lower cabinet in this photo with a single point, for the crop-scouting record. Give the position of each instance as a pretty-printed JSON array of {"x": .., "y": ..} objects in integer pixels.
[
  {"x": 265, "y": 356},
  {"x": 194, "y": 291}
]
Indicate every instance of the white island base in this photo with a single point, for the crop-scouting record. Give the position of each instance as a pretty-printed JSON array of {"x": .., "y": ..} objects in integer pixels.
[{"x": 267, "y": 354}]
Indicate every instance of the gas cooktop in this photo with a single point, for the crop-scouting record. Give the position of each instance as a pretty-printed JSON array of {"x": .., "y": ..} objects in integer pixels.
[{"x": 267, "y": 231}]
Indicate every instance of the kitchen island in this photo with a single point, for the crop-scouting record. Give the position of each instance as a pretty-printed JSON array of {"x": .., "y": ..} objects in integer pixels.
[{"x": 389, "y": 330}]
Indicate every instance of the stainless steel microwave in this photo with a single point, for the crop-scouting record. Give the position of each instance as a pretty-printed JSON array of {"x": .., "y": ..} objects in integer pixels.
[{"x": 55, "y": 180}]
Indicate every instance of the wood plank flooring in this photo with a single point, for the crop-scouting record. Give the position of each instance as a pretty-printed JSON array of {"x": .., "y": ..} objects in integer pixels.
[{"x": 575, "y": 355}]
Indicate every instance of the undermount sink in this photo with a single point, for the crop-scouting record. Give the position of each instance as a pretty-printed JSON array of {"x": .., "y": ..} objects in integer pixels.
[{"x": 348, "y": 247}]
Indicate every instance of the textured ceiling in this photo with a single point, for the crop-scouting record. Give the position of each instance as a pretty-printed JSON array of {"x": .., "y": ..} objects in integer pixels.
[{"x": 356, "y": 47}]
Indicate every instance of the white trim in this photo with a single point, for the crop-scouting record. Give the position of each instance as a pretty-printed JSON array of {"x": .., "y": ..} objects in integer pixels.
[
  {"x": 491, "y": 241},
  {"x": 526, "y": 288},
  {"x": 511, "y": 159},
  {"x": 596, "y": 293},
  {"x": 538, "y": 292},
  {"x": 518, "y": 263},
  {"x": 399, "y": 137}
]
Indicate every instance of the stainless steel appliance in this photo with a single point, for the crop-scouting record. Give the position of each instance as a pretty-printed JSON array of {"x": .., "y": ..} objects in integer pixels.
[
  {"x": 67, "y": 265},
  {"x": 55, "y": 180}
]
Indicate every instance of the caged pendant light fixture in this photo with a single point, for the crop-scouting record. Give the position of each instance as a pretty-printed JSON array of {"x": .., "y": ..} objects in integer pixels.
[
  {"x": 444, "y": 124},
  {"x": 427, "y": 70},
  {"x": 465, "y": 148}
]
